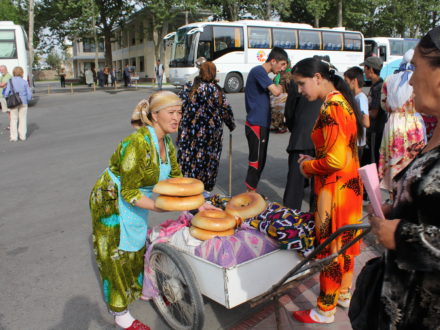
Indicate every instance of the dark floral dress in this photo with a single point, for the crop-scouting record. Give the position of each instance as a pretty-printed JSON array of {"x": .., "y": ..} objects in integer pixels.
[
  {"x": 411, "y": 287},
  {"x": 200, "y": 134}
]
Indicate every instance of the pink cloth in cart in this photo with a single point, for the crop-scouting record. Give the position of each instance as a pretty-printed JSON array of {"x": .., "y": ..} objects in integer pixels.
[
  {"x": 160, "y": 234},
  {"x": 229, "y": 251}
]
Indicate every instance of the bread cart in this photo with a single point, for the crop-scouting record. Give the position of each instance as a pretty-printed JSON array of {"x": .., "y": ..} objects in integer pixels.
[{"x": 182, "y": 278}]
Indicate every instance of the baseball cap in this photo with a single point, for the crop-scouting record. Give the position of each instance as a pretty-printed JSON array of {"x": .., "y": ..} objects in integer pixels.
[{"x": 373, "y": 62}]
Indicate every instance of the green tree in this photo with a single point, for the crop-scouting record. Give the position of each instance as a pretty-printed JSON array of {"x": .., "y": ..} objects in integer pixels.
[
  {"x": 71, "y": 19},
  {"x": 317, "y": 8},
  {"x": 15, "y": 11},
  {"x": 297, "y": 12},
  {"x": 53, "y": 60},
  {"x": 160, "y": 15}
]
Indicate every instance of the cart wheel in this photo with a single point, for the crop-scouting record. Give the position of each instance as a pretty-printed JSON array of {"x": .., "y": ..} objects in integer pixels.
[{"x": 179, "y": 301}]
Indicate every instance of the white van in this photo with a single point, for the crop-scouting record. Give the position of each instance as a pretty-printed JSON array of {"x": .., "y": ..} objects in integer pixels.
[{"x": 14, "y": 48}]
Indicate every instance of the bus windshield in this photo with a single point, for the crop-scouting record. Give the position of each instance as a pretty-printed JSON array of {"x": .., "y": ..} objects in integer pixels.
[
  {"x": 8, "y": 48},
  {"x": 183, "y": 48}
]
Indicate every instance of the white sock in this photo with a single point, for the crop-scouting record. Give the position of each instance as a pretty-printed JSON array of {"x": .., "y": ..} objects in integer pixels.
[
  {"x": 315, "y": 315},
  {"x": 125, "y": 320}
]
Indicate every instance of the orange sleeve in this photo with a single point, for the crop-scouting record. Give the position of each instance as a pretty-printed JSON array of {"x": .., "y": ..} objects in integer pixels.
[{"x": 333, "y": 155}]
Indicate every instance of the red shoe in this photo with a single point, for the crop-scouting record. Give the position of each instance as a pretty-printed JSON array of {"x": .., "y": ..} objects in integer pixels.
[
  {"x": 304, "y": 317},
  {"x": 137, "y": 325}
]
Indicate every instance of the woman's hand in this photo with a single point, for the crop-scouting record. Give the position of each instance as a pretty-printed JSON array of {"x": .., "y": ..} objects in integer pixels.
[
  {"x": 148, "y": 203},
  {"x": 207, "y": 206},
  {"x": 301, "y": 159},
  {"x": 384, "y": 230}
]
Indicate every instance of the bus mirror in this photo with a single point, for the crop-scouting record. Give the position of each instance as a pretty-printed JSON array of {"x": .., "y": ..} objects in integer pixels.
[
  {"x": 169, "y": 36},
  {"x": 195, "y": 30}
]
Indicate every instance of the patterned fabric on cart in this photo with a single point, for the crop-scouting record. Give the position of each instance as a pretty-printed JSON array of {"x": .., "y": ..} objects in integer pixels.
[
  {"x": 293, "y": 229},
  {"x": 228, "y": 251}
]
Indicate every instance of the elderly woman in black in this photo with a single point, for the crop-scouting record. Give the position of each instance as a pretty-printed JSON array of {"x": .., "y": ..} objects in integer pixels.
[{"x": 410, "y": 296}]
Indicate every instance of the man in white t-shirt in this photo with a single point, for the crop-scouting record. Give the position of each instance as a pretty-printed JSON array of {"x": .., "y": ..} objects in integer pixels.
[
  {"x": 158, "y": 69},
  {"x": 355, "y": 79}
]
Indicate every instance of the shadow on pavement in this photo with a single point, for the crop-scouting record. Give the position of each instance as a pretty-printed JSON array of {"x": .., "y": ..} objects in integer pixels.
[
  {"x": 80, "y": 313},
  {"x": 32, "y": 127}
]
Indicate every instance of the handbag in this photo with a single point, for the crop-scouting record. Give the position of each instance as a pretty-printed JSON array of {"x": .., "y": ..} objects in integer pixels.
[
  {"x": 366, "y": 305},
  {"x": 14, "y": 99}
]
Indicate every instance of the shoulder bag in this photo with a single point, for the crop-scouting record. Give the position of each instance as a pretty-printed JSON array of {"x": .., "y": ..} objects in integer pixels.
[
  {"x": 365, "y": 306},
  {"x": 14, "y": 99}
]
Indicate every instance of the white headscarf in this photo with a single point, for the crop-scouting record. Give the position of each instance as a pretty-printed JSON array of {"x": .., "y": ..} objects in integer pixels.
[{"x": 399, "y": 90}]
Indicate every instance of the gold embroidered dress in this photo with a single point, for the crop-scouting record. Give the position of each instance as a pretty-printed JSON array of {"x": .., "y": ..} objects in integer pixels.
[{"x": 136, "y": 163}]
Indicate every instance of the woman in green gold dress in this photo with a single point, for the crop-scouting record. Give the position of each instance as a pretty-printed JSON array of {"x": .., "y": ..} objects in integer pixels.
[{"x": 121, "y": 200}]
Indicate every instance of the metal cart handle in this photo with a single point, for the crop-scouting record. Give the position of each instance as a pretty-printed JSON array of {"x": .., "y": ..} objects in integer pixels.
[{"x": 310, "y": 263}]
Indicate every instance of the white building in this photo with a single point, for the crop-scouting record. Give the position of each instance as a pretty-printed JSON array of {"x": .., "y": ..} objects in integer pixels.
[
  {"x": 83, "y": 55},
  {"x": 132, "y": 45}
]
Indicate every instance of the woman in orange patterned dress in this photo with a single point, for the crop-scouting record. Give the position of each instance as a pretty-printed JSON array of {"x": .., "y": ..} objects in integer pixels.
[{"x": 338, "y": 187}]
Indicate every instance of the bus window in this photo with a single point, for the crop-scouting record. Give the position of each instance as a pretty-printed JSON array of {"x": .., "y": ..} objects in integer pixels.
[
  {"x": 259, "y": 37},
  {"x": 396, "y": 47},
  {"x": 8, "y": 47},
  {"x": 370, "y": 48},
  {"x": 352, "y": 42},
  {"x": 204, "y": 50},
  {"x": 332, "y": 40},
  {"x": 227, "y": 39},
  {"x": 400, "y": 47},
  {"x": 383, "y": 53},
  {"x": 284, "y": 38},
  {"x": 205, "y": 44},
  {"x": 309, "y": 39},
  {"x": 409, "y": 44}
]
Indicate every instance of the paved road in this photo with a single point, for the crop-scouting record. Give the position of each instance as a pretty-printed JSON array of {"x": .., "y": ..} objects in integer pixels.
[{"x": 48, "y": 278}]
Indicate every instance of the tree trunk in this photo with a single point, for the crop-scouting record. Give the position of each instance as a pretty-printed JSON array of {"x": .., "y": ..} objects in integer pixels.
[
  {"x": 161, "y": 48},
  {"x": 108, "y": 46},
  {"x": 316, "y": 21},
  {"x": 95, "y": 35},
  {"x": 340, "y": 12},
  {"x": 268, "y": 10},
  {"x": 31, "y": 41},
  {"x": 232, "y": 10}
]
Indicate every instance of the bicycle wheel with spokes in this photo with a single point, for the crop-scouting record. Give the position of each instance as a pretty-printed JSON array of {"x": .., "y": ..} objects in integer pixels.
[{"x": 179, "y": 301}]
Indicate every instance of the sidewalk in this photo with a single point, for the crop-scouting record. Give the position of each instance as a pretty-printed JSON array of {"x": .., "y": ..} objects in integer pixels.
[
  {"x": 42, "y": 88},
  {"x": 304, "y": 297}
]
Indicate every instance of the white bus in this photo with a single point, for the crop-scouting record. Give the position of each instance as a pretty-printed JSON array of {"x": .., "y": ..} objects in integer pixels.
[
  {"x": 390, "y": 50},
  {"x": 14, "y": 47},
  {"x": 236, "y": 47}
]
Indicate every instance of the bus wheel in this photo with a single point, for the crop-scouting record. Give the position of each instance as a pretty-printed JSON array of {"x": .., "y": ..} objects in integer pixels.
[{"x": 233, "y": 83}]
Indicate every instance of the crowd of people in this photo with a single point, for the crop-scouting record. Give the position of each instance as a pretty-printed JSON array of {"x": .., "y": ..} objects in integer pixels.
[
  {"x": 107, "y": 76},
  {"x": 335, "y": 128},
  {"x": 104, "y": 77}
]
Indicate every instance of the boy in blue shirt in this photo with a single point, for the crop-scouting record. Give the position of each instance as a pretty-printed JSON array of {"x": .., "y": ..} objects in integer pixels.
[
  {"x": 354, "y": 77},
  {"x": 258, "y": 87}
]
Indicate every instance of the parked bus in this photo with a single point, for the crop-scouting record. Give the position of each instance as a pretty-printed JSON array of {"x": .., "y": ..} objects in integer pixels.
[
  {"x": 236, "y": 47},
  {"x": 390, "y": 50},
  {"x": 14, "y": 47}
]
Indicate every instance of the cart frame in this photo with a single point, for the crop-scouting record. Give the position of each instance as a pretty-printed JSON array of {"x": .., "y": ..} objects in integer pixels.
[{"x": 304, "y": 269}]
